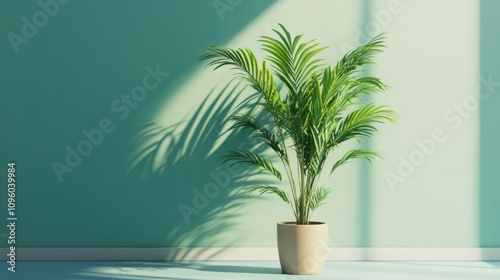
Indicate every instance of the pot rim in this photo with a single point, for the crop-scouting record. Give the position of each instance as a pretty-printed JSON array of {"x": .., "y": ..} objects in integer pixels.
[{"x": 294, "y": 223}]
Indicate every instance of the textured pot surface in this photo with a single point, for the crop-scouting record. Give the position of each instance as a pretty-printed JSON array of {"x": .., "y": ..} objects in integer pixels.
[{"x": 302, "y": 248}]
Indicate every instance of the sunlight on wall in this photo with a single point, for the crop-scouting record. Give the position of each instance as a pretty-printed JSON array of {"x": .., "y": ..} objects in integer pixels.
[
  {"x": 425, "y": 190},
  {"x": 432, "y": 67}
]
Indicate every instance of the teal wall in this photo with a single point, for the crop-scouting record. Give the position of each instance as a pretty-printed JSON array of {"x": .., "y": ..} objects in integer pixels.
[
  {"x": 490, "y": 128},
  {"x": 146, "y": 181}
]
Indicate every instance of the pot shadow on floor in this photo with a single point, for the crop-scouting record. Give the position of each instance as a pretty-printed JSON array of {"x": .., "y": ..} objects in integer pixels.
[
  {"x": 241, "y": 269},
  {"x": 181, "y": 161}
]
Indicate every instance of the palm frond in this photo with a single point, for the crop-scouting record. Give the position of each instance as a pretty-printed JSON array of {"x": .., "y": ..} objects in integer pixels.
[
  {"x": 253, "y": 160},
  {"x": 360, "y": 123},
  {"x": 249, "y": 122},
  {"x": 293, "y": 61},
  {"x": 243, "y": 60},
  {"x": 318, "y": 197},
  {"x": 354, "y": 154},
  {"x": 362, "y": 55},
  {"x": 266, "y": 189}
]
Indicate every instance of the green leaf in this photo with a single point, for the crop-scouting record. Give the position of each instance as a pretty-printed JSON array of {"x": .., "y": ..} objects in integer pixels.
[
  {"x": 293, "y": 62},
  {"x": 248, "y": 122},
  {"x": 245, "y": 62},
  {"x": 266, "y": 189},
  {"x": 354, "y": 154},
  {"x": 360, "y": 123},
  {"x": 253, "y": 160},
  {"x": 318, "y": 197}
]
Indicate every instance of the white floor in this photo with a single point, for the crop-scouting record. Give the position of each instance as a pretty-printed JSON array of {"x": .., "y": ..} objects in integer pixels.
[{"x": 250, "y": 270}]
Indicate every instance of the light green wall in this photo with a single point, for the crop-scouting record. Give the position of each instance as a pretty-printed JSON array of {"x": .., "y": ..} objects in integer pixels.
[{"x": 126, "y": 193}]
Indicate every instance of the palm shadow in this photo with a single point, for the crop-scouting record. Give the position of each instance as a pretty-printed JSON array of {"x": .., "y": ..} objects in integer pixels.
[
  {"x": 129, "y": 270},
  {"x": 184, "y": 158}
]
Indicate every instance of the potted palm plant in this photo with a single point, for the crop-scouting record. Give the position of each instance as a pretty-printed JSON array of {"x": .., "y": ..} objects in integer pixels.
[{"x": 313, "y": 109}]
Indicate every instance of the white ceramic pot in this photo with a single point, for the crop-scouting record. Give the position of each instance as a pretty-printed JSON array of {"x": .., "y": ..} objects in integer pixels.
[{"x": 302, "y": 248}]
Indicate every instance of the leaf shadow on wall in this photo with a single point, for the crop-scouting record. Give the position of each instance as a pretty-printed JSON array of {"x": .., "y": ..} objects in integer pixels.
[{"x": 204, "y": 197}]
